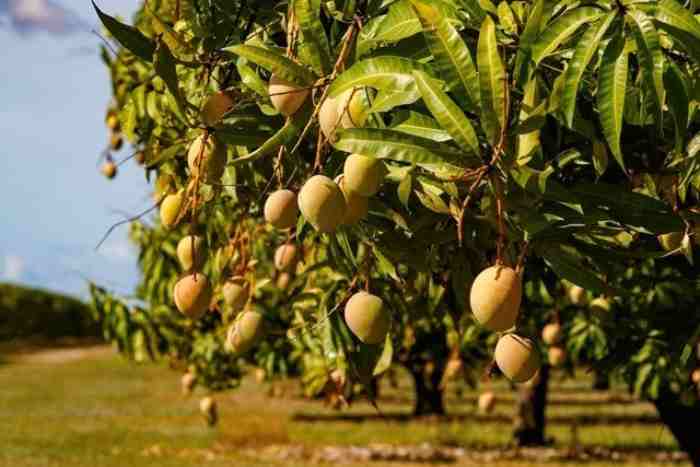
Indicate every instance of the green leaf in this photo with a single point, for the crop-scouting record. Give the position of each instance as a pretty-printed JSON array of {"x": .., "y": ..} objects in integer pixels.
[
  {"x": 612, "y": 87},
  {"x": 389, "y": 73},
  {"x": 672, "y": 13},
  {"x": 432, "y": 202},
  {"x": 403, "y": 191},
  {"x": 313, "y": 42},
  {"x": 165, "y": 155},
  {"x": 492, "y": 81},
  {"x": 651, "y": 58},
  {"x": 587, "y": 47},
  {"x": 128, "y": 36},
  {"x": 452, "y": 57},
  {"x": 527, "y": 38},
  {"x": 633, "y": 209},
  {"x": 400, "y": 23},
  {"x": 506, "y": 18},
  {"x": 280, "y": 65},
  {"x": 487, "y": 5},
  {"x": 686, "y": 40},
  {"x": 242, "y": 137},
  {"x": 395, "y": 145},
  {"x": 567, "y": 265},
  {"x": 539, "y": 182},
  {"x": 164, "y": 65},
  {"x": 561, "y": 29},
  {"x": 600, "y": 157},
  {"x": 447, "y": 113},
  {"x": 385, "y": 358},
  {"x": 251, "y": 79},
  {"x": 678, "y": 102},
  {"x": 418, "y": 124},
  {"x": 285, "y": 136},
  {"x": 530, "y": 123},
  {"x": 386, "y": 99}
]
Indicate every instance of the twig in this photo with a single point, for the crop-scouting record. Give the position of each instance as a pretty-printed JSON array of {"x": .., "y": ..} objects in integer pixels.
[
  {"x": 521, "y": 259},
  {"x": 320, "y": 143},
  {"x": 499, "y": 215},
  {"x": 126, "y": 221},
  {"x": 109, "y": 46},
  {"x": 339, "y": 62},
  {"x": 483, "y": 170}
]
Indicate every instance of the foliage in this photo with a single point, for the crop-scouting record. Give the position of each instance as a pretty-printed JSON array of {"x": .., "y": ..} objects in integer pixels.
[
  {"x": 27, "y": 312},
  {"x": 495, "y": 124}
]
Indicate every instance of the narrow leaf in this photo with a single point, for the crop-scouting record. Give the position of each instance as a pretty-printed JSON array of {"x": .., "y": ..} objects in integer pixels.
[
  {"x": 396, "y": 145},
  {"x": 672, "y": 13},
  {"x": 447, "y": 113},
  {"x": 285, "y": 136},
  {"x": 568, "y": 266},
  {"x": 403, "y": 191},
  {"x": 164, "y": 64},
  {"x": 418, "y": 124},
  {"x": 128, "y": 36},
  {"x": 385, "y": 72},
  {"x": 401, "y": 22},
  {"x": 612, "y": 86},
  {"x": 686, "y": 40},
  {"x": 678, "y": 102},
  {"x": 251, "y": 79},
  {"x": 452, "y": 57},
  {"x": 386, "y": 99},
  {"x": 529, "y": 140},
  {"x": 586, "y": 48},
  {"x": 313, "y": 39},
  {"x": 651, "y": 58},
  {"x": 561, "y": 29},
  {"x": 274, "y": 63},
  {"x": 527, "y": 38},
  {"x": 492, "y": 81}
]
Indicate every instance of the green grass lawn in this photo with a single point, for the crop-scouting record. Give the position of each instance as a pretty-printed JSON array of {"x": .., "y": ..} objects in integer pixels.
[{"x": 103, "y": 411}]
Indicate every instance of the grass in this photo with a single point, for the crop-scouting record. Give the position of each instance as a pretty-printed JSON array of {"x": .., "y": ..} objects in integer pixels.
[{"x": 103, "y": 411}]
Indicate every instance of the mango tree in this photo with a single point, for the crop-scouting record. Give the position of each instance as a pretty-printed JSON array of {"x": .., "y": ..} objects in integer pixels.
[{"x": 438, "y": 168}]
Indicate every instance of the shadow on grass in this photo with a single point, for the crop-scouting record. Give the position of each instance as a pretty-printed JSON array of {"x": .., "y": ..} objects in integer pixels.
[
  {"x": 510, "y": 399},
  {"x": 402, "y": 417}
]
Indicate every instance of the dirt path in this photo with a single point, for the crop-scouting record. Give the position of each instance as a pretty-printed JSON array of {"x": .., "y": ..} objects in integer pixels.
[{"x": 59, "y": 355}]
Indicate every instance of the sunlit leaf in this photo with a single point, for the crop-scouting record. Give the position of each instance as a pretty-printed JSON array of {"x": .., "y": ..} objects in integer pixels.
[
  {"x": 396, "y": 145},
  {"x": 612, "y": 85},
  {"x": 274, "y": 63},
  {"x": 492, "y": 82},
  {"x": 452, "y": 57},
  {"x": 561, "y": 29},
  {"x": 384, "y": 73},
  {"x": 447, "y": 113},
  {"x": 587, "y": 47}
]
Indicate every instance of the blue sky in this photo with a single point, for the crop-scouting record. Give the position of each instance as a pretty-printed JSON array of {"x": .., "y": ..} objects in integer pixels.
[{"x": 55, "y": 205}]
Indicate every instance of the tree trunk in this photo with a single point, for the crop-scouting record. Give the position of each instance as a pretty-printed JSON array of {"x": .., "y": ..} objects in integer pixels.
[
  {"x": 681, "y": 420},
  {"x": 530, "y": 416},
  {"x": 601, "y": 380},
  {"x": 427, "y": 390}
]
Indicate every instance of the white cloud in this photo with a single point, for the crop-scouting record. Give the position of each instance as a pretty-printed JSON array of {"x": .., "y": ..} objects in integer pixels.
[
  {"x": 42, "y": 15},
  {"x": 13, "y": 268}
]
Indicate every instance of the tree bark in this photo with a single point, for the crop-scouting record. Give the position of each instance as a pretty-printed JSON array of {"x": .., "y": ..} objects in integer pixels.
[
  {"x": 601, "y": 380},
  {"x": 530, "y": 417},
  {"x": 681, "y": 420},
  {"x": 428, "y": 394}
]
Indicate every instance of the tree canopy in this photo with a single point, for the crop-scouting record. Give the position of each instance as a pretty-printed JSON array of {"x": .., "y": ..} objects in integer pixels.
[{"x": 560, "y": 140}]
